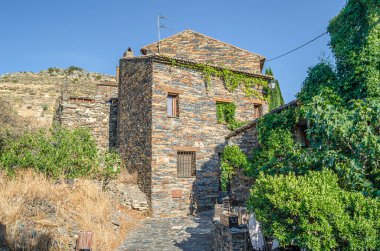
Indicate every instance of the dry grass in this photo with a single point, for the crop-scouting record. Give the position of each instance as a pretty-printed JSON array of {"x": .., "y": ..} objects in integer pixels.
[
  {"x": 127, "y": 178},
  {"x": 39, "y": 214}
]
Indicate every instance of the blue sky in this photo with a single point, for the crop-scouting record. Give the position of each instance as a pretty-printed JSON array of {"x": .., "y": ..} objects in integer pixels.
[{"x": 37, "y": 34}]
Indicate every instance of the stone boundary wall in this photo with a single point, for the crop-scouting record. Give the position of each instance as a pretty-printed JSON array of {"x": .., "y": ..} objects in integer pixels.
[{"x": 231, "y": 239}]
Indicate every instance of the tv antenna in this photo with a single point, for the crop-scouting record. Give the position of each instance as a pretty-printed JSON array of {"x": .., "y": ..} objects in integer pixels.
[{"x": 159, "y": 27}]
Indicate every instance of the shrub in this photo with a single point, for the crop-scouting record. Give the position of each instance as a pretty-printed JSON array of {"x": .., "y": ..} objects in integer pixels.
[
  {"x": 58, "y": 152},
  {"x": 45, "y": 107},
  {"x": 313, "y": 212},
  {"x": 52, "y": 70},
  {"x": 70, "y": 70}
]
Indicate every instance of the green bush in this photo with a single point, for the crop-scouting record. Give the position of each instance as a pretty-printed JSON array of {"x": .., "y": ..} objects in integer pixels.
[
  {"x": 58, "y": 152},
  {"x": 313, "y": 212},
  {"x": 70, "y": 70},
  {"x": 232, "y": 158}
]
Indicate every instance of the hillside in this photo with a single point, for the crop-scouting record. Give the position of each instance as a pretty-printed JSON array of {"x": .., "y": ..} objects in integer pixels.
[{"x": 29, "y": 98}]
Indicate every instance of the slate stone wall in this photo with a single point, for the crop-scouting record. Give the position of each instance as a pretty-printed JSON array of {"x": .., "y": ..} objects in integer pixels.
[
  {"x": 135, "y": 119},
  {"x": 192, "y": 45},
  {"x": 195, "y": 129},
  {"x": 97, "y": 113},
  {"x": 246, "y": 140},
  {"x": 231, "y": 239}
]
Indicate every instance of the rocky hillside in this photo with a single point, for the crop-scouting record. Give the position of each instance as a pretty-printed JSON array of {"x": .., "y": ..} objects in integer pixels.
[{"x": 32, "y": 97}]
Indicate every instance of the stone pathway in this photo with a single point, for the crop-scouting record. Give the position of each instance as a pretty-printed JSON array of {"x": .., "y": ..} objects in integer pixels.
[{"x": 191, "y": 233}]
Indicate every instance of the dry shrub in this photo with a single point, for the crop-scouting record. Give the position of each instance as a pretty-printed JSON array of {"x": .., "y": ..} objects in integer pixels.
[
  {"x": 40, "y": 214},
  {"x": 127, "y": 178}
]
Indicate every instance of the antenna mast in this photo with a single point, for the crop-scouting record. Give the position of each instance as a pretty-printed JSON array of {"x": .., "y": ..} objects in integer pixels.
[{"x": 159, "y": 27}]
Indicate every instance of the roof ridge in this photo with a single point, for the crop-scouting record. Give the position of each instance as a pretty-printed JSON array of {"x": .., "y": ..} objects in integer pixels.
[
  {"x": 215, "y": 39},
  {"x": 262, "y": 57}
]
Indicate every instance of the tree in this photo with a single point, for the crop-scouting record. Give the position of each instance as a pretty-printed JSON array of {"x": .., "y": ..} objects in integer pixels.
[{"x": 276, "y": 98}]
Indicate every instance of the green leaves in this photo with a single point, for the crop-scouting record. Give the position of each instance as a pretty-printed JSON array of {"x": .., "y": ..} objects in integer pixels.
[
  {"x": 58, "y": 152},
  {"x": 313, "y": 212},
  {"x": 320, "y": 78},
  {"x": 225, "y": 113},
  {"x": 232, "y": 80},
  {"x": 232, "y": 158},
  {"x": 355, "y": 39}
]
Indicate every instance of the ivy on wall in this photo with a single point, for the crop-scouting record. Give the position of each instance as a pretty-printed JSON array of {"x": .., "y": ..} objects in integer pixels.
[
  {"x": 250, "y": 85},
  {"x": 232, "y": 158},
  {"x": 225, "y": 114}
]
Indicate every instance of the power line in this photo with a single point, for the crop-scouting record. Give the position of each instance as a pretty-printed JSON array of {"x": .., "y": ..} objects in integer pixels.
[{"x": 299, "y": 47}]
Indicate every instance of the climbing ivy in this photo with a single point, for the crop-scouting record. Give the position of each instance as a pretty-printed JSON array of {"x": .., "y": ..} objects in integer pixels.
[
  {"x": 355, "y": 39},
  {"x": 232, "y": 158},
  {"x": 225, "y": 114},
  {"x": 232, "y": 80}
]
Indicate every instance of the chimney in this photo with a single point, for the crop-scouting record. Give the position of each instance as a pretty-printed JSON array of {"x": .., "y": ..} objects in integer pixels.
[
  {"x": 128, "y": 53},
  {"x": 117, "y": 74}
]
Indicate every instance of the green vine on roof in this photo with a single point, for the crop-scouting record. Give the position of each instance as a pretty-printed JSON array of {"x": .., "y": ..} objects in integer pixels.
[{"x": 232, "y": 80}]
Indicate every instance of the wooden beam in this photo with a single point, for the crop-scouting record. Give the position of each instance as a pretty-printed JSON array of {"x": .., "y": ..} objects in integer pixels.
[{"x": 186, "y": 148}]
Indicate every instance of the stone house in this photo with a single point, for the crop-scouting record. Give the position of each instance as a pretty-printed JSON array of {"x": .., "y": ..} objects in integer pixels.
[
  {"x": 95, "y": 108},
  {"x": 167, "y": 127}
]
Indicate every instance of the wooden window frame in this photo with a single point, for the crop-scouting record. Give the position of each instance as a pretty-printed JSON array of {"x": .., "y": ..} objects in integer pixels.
[
  {"x": 185, "y": 169},
  {"x": 258, "y": 107},
  {"x": 175, "y": 105}
]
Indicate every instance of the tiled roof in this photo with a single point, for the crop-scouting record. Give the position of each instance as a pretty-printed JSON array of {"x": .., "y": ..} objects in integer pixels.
[{"x": 198, "y": 33}]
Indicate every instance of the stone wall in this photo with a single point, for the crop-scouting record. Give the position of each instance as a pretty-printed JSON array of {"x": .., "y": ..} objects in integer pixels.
[
  {"x": 98, "y": 113},
  {"x": 196, "y": 129},
  {"x": 135, "y": 119},
  {"x": 192, "y": 45},
  {"x": 231, "y": 239}
]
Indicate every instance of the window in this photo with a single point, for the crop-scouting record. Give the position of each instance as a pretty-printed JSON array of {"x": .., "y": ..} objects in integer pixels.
[
  {"x": 225, "y": 112},
  {"x": 258, "y": 111},
  {"x": 301, "y": 129},
  {"x": 185, "y": 164},
  {"x": 172, "y": 105}
]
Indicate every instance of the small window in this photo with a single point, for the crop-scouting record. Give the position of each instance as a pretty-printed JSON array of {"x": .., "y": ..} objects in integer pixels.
[
  {"x": 172, "y": 105},
  {"x": 301, "y": 131},
  {"x": 258, "y": 111},
  {"x": 185, "y": 164},
  {"x": 225, "y": 112}
]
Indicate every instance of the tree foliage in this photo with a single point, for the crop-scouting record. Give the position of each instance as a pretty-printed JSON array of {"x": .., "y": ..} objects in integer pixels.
[
  {"x": 320, "y": 78},
  {"x": 276, "y": 99},
  {"x": 313, "y": 212},
  {"x": 355, "y": 39}
]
